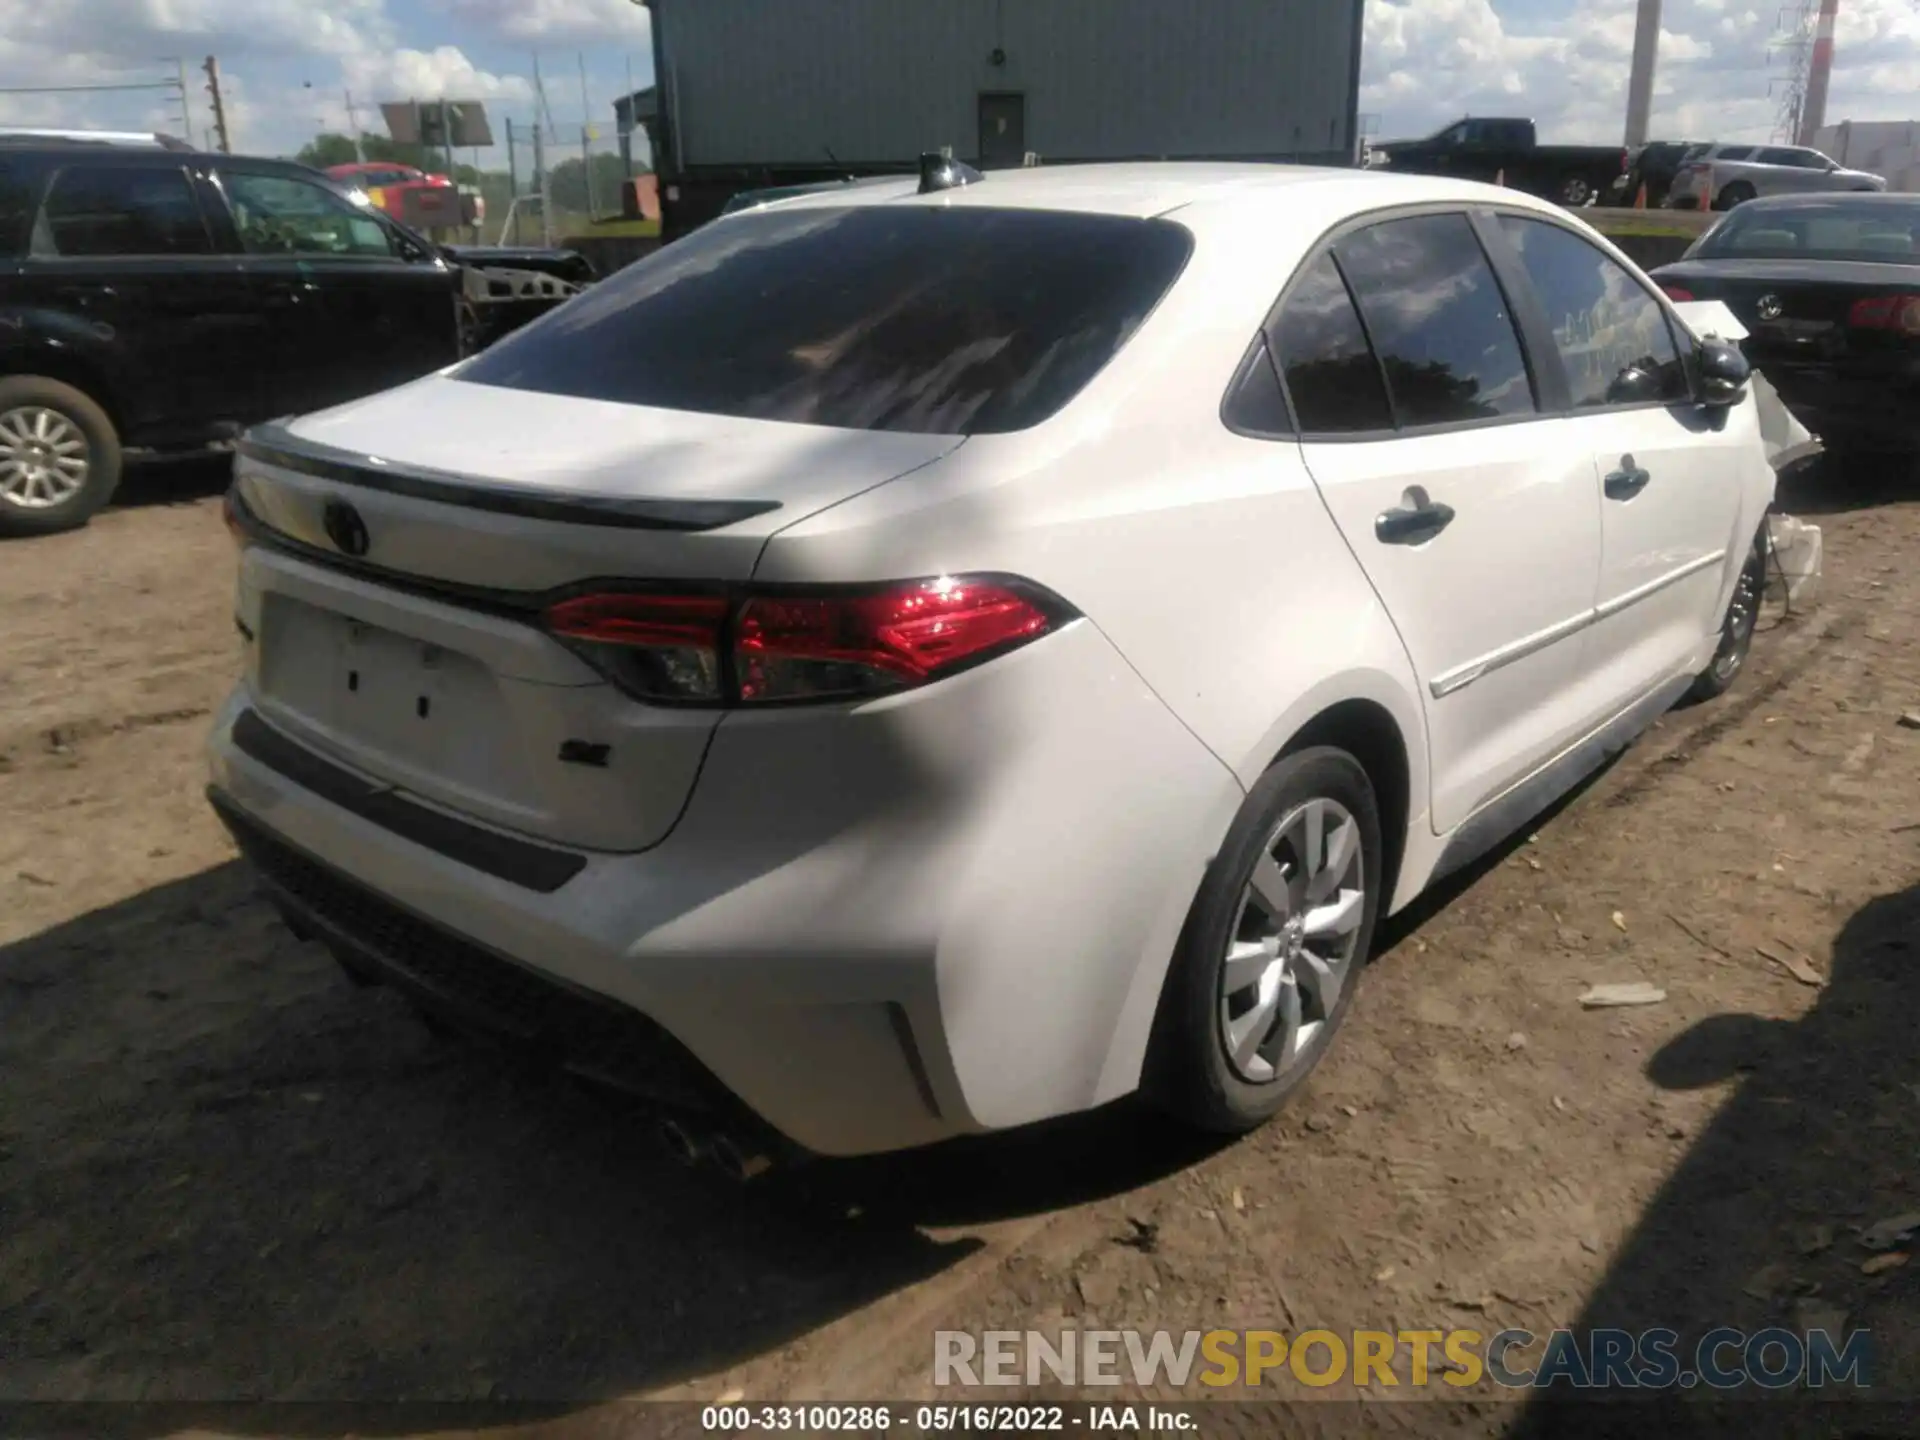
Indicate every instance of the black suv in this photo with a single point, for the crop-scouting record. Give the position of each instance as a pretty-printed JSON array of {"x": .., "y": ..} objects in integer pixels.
[{"x": 157, "y": 300}]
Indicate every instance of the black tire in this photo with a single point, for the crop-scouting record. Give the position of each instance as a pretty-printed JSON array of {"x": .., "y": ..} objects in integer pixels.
[
  {"x": 1573, "y": 191},
  {"x": 1736, "y": 627},
  {"x": 25, "y": 394},
  {"x": 1738, "y": 193},
  {"x": 1190, "y": 1073}
]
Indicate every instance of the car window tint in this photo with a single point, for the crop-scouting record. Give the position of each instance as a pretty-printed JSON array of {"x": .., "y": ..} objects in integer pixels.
[
  {"x": 1836, "y": 227},
  {"x": 1612, "y": 335},
  {"x": 1734, "y": 152},
  {"x": 1254, "y": 404},
  {"x": 1330, "y": 371},
  {"x": 16, "y": 204},
  {"x": 282, "y": 215},
  {"x": 959, "y": 321},
  {"x": 1437, "y": 320},
  {"x": 122, "y": 210}
]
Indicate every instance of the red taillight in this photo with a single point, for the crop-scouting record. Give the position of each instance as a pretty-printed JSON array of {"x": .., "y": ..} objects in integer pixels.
[
  {"x": 817, "y": 644},
  {"x": 817, "y": 647},
  {"x": 1677, "y": 292},
  {"x": 1887, "y": 312},
  {"x": 658, "y": 647}
]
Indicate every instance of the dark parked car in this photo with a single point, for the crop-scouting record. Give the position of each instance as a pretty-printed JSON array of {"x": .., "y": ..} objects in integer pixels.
[
  {"x": 154, "y": 299},
  {"x": 1653, "y": 165},
  {"x": 1829, "y": 287},
  {"x": 1508, "y": 149}
]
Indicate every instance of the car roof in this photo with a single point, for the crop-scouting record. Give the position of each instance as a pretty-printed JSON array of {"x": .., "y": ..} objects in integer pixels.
[
  {"x": 1152, "y": 188},
  {"x": 1828, "y": 199},
  {"x": 72, "y": 153}
]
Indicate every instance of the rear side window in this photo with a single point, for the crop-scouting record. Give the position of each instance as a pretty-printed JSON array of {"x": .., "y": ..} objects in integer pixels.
[
  {"x": 1611, "y": 334},
  {"x": 1734, "y": 152},
  {"x": 1437, "y": 320},
  {"x": 16, "y": 205},
  {"x": 1331, "y": 374},
  {"x": 122, "y": 210},
  {"x": 912, "y": 318}
]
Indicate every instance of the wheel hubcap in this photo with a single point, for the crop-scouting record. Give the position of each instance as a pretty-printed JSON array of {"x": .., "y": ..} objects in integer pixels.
[
  {"x": 44, "y": 458},
  {"x": 1743, "y": 613},
  {"x": 1293, "y": 941}
]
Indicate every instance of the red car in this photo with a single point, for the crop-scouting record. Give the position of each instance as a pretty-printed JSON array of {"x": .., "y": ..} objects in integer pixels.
[{"x": 411, "y": 196}]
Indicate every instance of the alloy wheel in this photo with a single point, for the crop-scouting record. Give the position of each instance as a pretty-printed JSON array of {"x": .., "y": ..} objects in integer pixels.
[
  {"x": 1293, "y": 941},
  {"x": 44, "y": 458},
  {"x": 1743, "y": 612}
]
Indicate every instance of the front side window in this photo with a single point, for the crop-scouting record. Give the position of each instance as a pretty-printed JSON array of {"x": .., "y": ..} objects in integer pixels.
[
  {"x": 282, "y": 215},
  {"x": 1330, "y": 371},
  {"x": 121, "y": 210},
  {"x": 959, "y": 321},
  {"x": 1612, "y": 336},
  {"x": 1437, "y": 320}
]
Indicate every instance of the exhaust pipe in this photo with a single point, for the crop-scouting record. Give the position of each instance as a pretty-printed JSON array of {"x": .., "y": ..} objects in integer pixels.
[
  {"x": 738, "y": 1163},
  {"x": 686, "y": 1147}
]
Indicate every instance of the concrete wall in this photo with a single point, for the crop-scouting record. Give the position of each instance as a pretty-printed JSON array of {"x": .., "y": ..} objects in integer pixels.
[
  {"x": 772, "y": 82},
  {"x": 1884, "y": 147}
]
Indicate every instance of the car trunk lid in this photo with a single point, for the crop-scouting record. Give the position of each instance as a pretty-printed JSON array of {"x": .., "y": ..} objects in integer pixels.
[
  {"x": 413, "y": 539},
  {"x": 1796, "y": 315}
]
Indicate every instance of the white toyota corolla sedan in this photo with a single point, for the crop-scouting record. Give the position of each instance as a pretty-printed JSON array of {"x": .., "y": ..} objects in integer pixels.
[{"x": 908, "y": 662}]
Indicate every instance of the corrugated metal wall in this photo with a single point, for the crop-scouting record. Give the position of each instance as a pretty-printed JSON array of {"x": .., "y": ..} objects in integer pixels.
[{"x": 768, "y": 82}]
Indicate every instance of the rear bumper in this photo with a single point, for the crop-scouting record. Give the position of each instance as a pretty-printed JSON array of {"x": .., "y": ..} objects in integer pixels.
[
  {"x": 1842, "y": 409},
  {"x": 874, "y": 928}
]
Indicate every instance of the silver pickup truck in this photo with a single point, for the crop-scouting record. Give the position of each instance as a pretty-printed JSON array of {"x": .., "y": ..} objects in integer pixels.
[{"x": 1720, "y": 177}]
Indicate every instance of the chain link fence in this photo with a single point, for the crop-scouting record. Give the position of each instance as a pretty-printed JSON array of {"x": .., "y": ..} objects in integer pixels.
[{"x": 560, "y": 181}]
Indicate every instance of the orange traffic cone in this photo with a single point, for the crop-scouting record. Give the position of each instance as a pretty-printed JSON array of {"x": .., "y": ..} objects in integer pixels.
[{"x": 1640, "y": 197}]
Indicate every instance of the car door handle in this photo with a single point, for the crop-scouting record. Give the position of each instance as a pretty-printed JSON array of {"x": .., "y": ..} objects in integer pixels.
[
  {"x": 287, "y": 292},
  {"x": 1628, "y": 481},
  {"x": 1415, "y": 520}
]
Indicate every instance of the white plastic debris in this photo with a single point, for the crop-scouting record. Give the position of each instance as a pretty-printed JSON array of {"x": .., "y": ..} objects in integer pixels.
[
  {"x": 1616, "y": 996},
  {"x": 1797, "y": 556}
]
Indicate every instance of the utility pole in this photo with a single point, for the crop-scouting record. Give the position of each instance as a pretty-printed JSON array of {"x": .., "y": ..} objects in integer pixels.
[
  {"x": 1813, "y": 113},
  {"x": 186, "y": 109},
  {"x": 353, "y": 124},
  {"x": 212, "y": 67},
  {"x": 1646, "y": 52},
  {"x": 586, "y": 134}
]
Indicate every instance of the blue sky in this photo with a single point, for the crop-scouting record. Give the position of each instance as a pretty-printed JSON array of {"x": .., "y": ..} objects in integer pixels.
[{"x": 288, "y": 64}]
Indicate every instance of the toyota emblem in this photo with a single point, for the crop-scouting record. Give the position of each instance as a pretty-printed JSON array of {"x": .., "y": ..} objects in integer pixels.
[
  {"x": 345, "y": 528},
  {"x": 1770, "y": 307}
]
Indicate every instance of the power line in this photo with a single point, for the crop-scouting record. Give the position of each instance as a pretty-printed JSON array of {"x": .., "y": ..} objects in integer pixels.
[{"x": 79, "y": 89}]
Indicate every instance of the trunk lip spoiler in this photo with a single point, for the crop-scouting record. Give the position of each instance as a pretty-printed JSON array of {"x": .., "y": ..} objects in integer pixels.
[{"x": 276, "y": 445}]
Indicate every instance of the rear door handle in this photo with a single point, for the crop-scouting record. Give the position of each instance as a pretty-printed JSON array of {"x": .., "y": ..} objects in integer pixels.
[
  {"x": 1416, "y": 519},
  {"x": 1628, "y": 481}
]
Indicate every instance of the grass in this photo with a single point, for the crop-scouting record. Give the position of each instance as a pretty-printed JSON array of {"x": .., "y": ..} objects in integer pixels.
[
  {"x": 1688, "y": 223},
  {"x": 617, "y": 227}
]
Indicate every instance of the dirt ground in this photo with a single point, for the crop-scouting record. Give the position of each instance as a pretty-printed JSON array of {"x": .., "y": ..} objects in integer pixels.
[{"x": 227, "y": 1174}]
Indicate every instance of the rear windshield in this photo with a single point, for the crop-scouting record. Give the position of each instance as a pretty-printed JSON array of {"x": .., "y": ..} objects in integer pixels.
[
  {"x": 1887, "y": 231},
  {"x": 916, "y": 318}
]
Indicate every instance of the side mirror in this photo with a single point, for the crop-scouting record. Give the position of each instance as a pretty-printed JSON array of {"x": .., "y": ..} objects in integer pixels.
[{"x": 1724, "y": 373}]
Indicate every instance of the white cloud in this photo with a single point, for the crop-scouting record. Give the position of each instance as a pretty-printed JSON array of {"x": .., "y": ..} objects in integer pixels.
[
  {"x": 553, "y": 21},
  {"x": 430, "y": 74}
]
